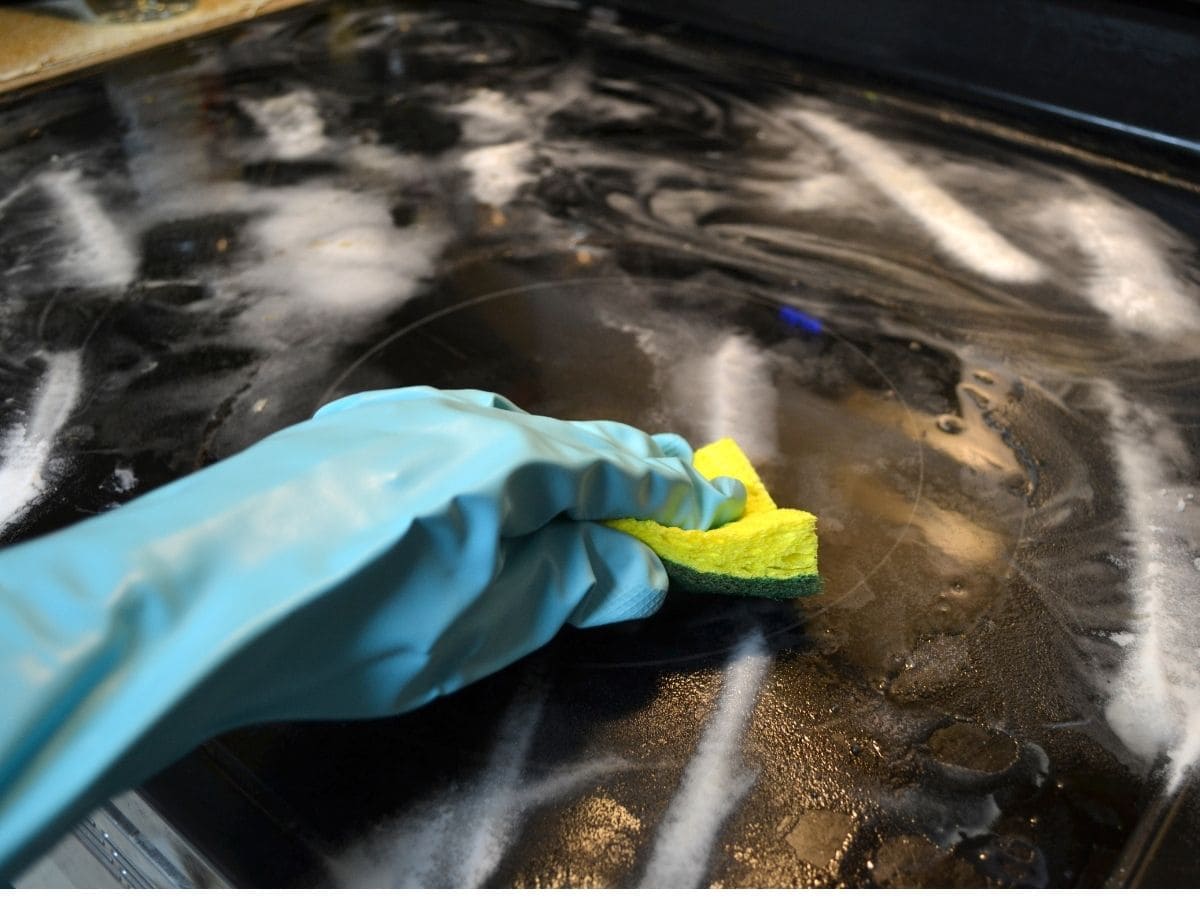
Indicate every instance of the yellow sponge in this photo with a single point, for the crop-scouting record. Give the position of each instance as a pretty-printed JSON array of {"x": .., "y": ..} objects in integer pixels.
[{"x": 768, "y": 552}]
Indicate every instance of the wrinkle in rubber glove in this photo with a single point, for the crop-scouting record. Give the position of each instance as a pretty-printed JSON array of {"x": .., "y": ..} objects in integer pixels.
[{"x": 395, "y": 547}]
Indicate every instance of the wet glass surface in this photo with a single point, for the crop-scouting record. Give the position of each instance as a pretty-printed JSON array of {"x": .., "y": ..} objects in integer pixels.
[{"x": 975, "y": 363}]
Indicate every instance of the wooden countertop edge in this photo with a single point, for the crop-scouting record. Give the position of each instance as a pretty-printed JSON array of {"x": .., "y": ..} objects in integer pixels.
[{"x": 158, "y": 34}]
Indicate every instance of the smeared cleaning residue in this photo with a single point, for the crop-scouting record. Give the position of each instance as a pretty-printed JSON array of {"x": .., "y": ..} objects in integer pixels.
[
  {"x": 828, "y": 190},
  {"x": 322, "y": 248},
  {"x": 496, "y": 807},
  {"x": 459, "y": 837},
  {"x": 715, "y": 779},
  {"x": 99, "y": 254},
  {"x": 570, "y": 780},
  {"x": 490, "y": 117},
  {"x": 498, "y": 171},
  {"x": 291, "y": 123},
  {"x": 742, "y": 398},
  {"x": 725, "y": 381},
  {"x": 1154, "y": 705},
  {"x": 28, "y": 447},
  {"x": 947, "y": 821},
  {"x": 12, "y": 195},
  {"x": 682, "y": 208},
  {"x": 959, "y": 232},
  {"x": 123, "y": 480},
  {"x": 508, "y": 128},
  {"x": 1130, "y": 280}
]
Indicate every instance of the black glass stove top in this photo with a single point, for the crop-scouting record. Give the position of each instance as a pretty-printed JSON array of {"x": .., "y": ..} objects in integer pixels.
[{"x": 974, "y": 361}]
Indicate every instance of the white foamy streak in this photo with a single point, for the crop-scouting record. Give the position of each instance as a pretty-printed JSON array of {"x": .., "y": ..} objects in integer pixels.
[
  {"x": 490, "y": 117},
  {"x": 507, "y": 129},
  {"x": 948, "y": 821},
  {"x": 1154, "y": 704},
  {"x": 827, "y": 190},
  {"x": 494, "y": 812},
  {"x": 123, "y": 479},
  {"x": 325, "y": 248},
  {"x": 27, "y": 448},
  {"x": 570, "y": 779},
  {"x": 741, "y": 397},
  {"x": 959, "y": 232},
  {"x": 167, "y": 146},
  {"x": 715, "y": 779},
  {"x": 1130, "y": 281},
  {"x": 498, "y": 171},
  {"x": 12, "y": 195},
  {"x": 459, "y": 838},
  {"x": 291, "y": 122},
  {"x": 502, "y": 124},
  {"x": 404, "y": 854},
  {"x": 99, "y": 255},
  {"x": 316, "y": 247}
]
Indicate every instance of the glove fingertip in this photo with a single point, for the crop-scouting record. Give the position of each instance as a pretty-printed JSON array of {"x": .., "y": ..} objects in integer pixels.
[
  {"x": 640, "y": 603},
  {"x": 674, "y": 446},
  {"x": 730, "y": 488},
  {"x": 630, "y": 581}
]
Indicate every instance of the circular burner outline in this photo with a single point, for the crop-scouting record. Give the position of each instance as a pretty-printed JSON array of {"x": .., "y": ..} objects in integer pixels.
[{"x": 330, "y": 394}]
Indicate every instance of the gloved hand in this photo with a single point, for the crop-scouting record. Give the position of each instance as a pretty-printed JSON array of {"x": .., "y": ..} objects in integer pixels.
[{"x": 395, "y": 547}]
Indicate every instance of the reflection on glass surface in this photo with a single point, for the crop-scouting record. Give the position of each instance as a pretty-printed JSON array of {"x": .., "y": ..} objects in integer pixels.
[{"x": 975, "y": 366}]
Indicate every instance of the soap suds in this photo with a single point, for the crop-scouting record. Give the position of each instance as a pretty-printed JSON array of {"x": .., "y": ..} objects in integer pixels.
[
  {"x": 99, "y": 254},
  {"x": 123, "y": 479},
  {"x": 726, "y": 379},
  {"x": 571, "y": 779},
  {"x": 1154, "y": 704},
  {"x": 715, "y": 779},
  {"x": 498, "y": 171},
  {"x": 682, "y": 208},
  {"x": 1130, "y": 280},
  {"x": 28, "y": 447},
  {"x": 490, "y": 117},
  {"x": 499, "y": 168},
  {"x": 459, "y": 837},
  {"x": 322, "y": 248},
  {"x": 12, "y": 195},
  {"x": 292, "y": 124},
  {"x": 742, "y": 398},
  {"x": 950, "y": 821},
  {"x": 827, "y": 190},
  {"x": 957, "y": 231},
  {"x": 496, "y": 807},
  {"x": 510, "y": 129}
]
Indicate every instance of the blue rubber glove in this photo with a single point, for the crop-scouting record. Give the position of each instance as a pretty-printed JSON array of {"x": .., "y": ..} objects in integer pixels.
[{"x": 395, "y": 547}]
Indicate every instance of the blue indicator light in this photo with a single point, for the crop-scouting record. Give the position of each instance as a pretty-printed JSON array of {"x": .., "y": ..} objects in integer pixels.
[{"x": 793, "y": 316}]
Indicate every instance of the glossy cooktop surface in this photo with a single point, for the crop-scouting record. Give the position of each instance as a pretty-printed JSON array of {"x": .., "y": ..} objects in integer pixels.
[{"x": 973, "y": 360}]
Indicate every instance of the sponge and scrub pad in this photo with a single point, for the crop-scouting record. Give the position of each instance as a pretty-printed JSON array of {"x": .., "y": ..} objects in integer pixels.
[{"x": 768, "y": 552}]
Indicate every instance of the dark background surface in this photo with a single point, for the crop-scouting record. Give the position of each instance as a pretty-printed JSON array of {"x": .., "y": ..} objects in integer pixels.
[
  {"x": 904, "y": 696},
  {"x": 1129, "y": 68}
]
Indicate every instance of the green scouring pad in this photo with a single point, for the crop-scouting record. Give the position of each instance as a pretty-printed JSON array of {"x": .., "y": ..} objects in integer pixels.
[{"x": 768, "y": 552}]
